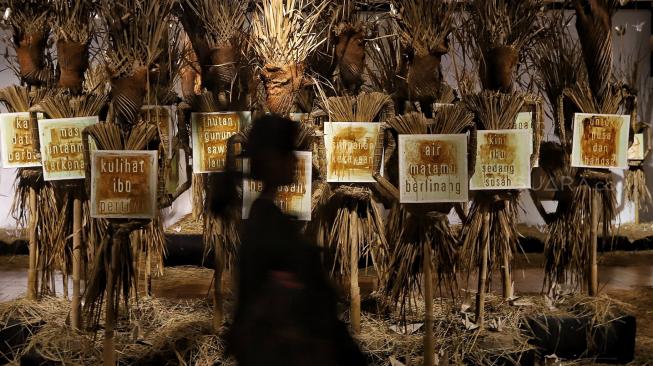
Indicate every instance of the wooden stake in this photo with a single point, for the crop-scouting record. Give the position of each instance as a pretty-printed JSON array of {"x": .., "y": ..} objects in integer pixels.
[
  {"x": 218, "y": 300},
  {"x": 593, "y": 274},
  {"x": 148, "y": 273},
  {"x": 32, "y": 282},
  {"x": 506, "y": 276},
  {"x": 636, "y": 203},
  {"x": 429, "y": 343},
  {"x": 482, "y": 275},
  {"x": 77, "y": 263},
  {"x": 355, "y": 305},
  {"x": 109, "y": 351}
]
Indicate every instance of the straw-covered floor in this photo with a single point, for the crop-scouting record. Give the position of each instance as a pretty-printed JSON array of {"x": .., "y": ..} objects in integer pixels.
[{"x": 161, "y": 331}]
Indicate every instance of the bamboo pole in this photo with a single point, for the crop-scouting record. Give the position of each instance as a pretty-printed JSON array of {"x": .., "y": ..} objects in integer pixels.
[
  {"x": 636, "y": 203},
  {"x": 506, "y": 276},
  {"x": 64, "y": 281},
  {"x": 77, "y": 262},
  {"x": 148, "y": 272},
  {"x": 218, "y": 300},
  {"x": 429, "y": 343},
  {"x": 109, "y": 353},
  {"x": 355, "y": 305},
  {"x": 32, "y": 282},
  {"x": 593, "y": 275},
  {"x": 482, "y": 275}
]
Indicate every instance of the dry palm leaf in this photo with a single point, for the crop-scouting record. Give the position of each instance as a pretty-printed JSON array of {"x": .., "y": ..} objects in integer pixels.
[
  {"x": 385, "y": 61},
  {"x": 594, "y": 26},
  {"x": 423, "y": 27},
  {"x": 284, "y": 34},
  {"x": 134, "y": 29},
  {"x": 558, "y": 65},
  {"x": 30, "y": 22},
  {"x": 499, "y": 30},
  {"x": 216, "y": 31},
  {"x": 74, "y": 30},
  {"x": 637, "y": 189}
]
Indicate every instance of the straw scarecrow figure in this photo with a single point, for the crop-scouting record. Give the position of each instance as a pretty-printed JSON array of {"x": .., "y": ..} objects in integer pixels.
[
  {"x": 501, "y": 30},
  {"x": 135, "y": 29},
  {"x": 34, "y": 198},
  {"x": 284, "y": 34},
  {"x": 162, "y": 111},
  {"x": 421, "y": 240},
  {"x": 349, "y": 37},
  {"x": 73, "y": 30},
  {"x": 217, "y": 34},
  {"x": 351, "y": 219},
  {"x": 559, "y": 65},
  {"x": 594, "y": 198}
]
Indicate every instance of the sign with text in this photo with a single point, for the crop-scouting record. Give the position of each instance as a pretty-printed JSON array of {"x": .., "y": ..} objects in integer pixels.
[
  {"x": 18, "y": 148},
  {"x": 293, "y": 199},
  {"x": 211, "y": 131},
  {"x": 62, "y": 150},
  {"x": 124, "y": 184},
  {"x": 350, "y": 149},
  {"x": 502, "y": 160},
  {"x": 163, "y": 117},
  {"x": 600, "y": 141},
  {"x": 636, "y": 150},
  {"x": 433, "y": 168}
]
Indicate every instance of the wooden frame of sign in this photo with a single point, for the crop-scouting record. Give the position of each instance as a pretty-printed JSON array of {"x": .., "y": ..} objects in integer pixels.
[
  {"x": 19, "y": 147},
  {"x": 531, "y": 118},
  {"x": 502, "y": 160},
  {"x": 124, "y": 184},
  {"x": 210, "y": 133},
  {"x": 352, "y": 151},
  {"x": 294, "y": 199},
  {"x": 433, "y": 168},
  {"x": 600, "y": 141},
  {"x": 62, "y": 148}
]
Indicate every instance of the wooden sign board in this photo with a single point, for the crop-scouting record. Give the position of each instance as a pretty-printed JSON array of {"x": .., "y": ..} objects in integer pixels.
[
  {"x": 350, "y": 149},
  {"x": 636, "y": 150},
  {"x": 62, "y": 150},
  {"x": 502, "y": 160},
  {"x": 211, "y": 131},
  {"x": 600, "y": 141},
  {"x": 164, "y": 118},
  {"x": 294, "y": 199},
  {"x": 124, "y": 184},
  {"x": 433, "y": 168},
  {"x": 18, "y": 148}
]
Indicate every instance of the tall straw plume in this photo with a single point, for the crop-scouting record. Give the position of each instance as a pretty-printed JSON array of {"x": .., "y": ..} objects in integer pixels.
[
  {"x": 284, "y": 31},
  {"x": 424, "y": 25}
]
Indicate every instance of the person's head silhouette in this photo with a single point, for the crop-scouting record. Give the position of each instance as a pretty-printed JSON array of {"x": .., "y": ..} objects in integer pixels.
[{"x": 270, "y": 149}]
